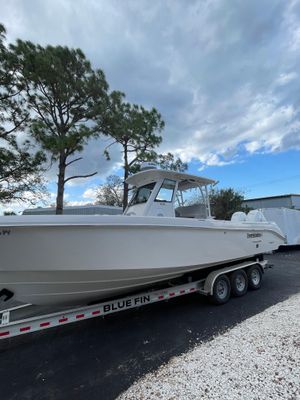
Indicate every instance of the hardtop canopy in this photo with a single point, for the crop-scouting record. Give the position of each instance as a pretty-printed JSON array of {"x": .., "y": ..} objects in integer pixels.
[{"x": 186, "y": 181}]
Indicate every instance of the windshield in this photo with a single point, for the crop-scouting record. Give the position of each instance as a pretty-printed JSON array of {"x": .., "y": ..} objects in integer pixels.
[
  {"x": 165, "y": 194},
  {"x": 142, "y": 194},
  {"x": 189, "y": 197},
  {"x": 192, "y": 203}
]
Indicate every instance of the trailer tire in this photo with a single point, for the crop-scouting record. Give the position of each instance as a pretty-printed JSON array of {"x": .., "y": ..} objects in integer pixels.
[
  {"x": 254, "y": 274},
  {"x": 221, "y": 290},
  {"x": 239, "y": 283}
]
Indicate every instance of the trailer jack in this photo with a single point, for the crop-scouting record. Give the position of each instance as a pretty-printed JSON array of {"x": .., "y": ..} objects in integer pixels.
[{"x": 6, "y": 294}]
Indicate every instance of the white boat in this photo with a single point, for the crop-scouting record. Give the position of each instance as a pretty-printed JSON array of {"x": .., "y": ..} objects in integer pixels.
[{"x": 68, "y": 259}]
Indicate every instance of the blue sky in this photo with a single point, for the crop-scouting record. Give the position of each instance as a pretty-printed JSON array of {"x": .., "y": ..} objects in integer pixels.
[
  {"x": 259, "y": 175},
  {"x": 223, "y": 74}
]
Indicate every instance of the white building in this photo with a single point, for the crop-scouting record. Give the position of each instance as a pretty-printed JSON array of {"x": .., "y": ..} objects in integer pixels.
[
  {"x": 286, "y": 200},
  {"x": 76, "y": 210}
]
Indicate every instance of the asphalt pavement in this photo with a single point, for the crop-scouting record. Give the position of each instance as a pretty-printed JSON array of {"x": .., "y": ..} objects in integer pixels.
[{"x": 100, "y": 358}]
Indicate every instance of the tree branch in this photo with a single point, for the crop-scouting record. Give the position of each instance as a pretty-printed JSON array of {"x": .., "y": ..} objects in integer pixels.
[
  {"x": 132, "y": 161},
  {"x": 71, "y": 162},
  {"x": 109, "y": 145},
  {"x": 79, "y": 176},
  {"x": 17, "y": 125}
]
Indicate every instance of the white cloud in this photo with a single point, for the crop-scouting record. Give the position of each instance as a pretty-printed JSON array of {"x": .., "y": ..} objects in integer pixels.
[
  {"x": 78, "y": 203},
  {"x": 90, "y": 194},
  {"x": 265, "y": 126},
  {"x": 285, "y": 78},
  {"x": 252, "y": 147}
]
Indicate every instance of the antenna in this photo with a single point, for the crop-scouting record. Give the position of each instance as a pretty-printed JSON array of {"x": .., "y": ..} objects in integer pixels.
[{"x": 148, "y": 165}]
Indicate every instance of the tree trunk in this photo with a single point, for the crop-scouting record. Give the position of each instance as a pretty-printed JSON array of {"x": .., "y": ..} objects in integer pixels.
[
  {"x": 126, "y": 173},
  {"x": 125, "y": 197},
  {"x": 61, "y": 184}
]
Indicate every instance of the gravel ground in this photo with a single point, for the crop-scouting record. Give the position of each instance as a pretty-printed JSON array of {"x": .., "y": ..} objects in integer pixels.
[{"x": 257, "y": 359}]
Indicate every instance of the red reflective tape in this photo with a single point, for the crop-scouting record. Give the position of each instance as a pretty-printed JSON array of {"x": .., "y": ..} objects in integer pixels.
[
  {"x": 96, "y": 312},
  {"x": 161, "y": 297},
  {"x": 26, "y": 328},
  {"x": 79, "y": 316},
  {"x": 44, "y": 324},
  {"x": 192, "y": 289},
  {"x": 4, "y": 333},
  {"x": 171, "y": 294},
  {"x": 62, "y": 320},
  {"x": 182, "y": 291}
]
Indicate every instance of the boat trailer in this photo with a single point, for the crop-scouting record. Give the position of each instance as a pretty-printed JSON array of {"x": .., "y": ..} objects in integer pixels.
[{"x": 218, "y": 284}]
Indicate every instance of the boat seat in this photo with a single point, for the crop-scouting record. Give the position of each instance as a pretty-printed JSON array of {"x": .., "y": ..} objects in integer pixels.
[
  {"x": 193, "y": 211},
  {"x": 238, "y": 216},
  {"x": 255, "y": 216}
]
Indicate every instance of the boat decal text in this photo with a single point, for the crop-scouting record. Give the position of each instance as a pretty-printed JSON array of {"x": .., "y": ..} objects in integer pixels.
[
  {"x": 127, "y": 303},
  {"x": 253, "y": 235},
  {"x": 4, "y": 232}
]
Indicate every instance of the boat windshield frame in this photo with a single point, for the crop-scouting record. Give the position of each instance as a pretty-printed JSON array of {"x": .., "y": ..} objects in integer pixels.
[
  {"x": 167, "y": 189},
  {"x": 189, "y": 184},
  {"x": 137, "y": 191}
]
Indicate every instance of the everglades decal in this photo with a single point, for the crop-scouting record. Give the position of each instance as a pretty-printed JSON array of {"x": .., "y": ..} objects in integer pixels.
[{"x": 253, "y": 235}]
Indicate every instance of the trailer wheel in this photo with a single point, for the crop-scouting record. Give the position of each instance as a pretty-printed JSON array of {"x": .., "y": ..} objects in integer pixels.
[
  {"x": 221, "y": 290},
  {"x": 239, "y": 283},
  {"x": 254, "y": 277}
]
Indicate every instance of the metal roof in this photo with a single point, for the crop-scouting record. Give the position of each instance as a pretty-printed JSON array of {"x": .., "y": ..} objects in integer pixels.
[
  {"x": 273, "y": 197},
  {"x": 152, "y": 175}
]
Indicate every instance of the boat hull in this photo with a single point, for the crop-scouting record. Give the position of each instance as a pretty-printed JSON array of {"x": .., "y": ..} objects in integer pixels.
[{"x": 77, "y": 260}]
